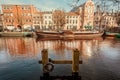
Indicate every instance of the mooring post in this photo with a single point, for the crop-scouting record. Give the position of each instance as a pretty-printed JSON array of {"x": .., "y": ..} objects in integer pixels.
[
  {"x": 45, "y": 61},
  {"x": 75, "y": 62}
]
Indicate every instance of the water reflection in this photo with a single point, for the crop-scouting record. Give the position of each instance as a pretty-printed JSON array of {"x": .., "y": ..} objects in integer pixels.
[
  {"x": 29, "y": 47},
  {"x": 98, "y": 57}
]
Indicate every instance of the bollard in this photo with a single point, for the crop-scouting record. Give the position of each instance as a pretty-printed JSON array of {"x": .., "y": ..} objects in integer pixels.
[
  {"x": 75, "y": 62},
  {"x": 45, "y": 61}
]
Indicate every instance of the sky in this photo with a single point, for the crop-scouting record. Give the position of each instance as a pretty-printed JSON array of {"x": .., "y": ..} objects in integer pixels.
[
  {"x": 49, "y": 5},
  {"x": 44, "y": 5}
]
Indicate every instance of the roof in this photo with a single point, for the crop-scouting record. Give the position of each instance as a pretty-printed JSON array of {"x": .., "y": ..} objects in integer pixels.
[{"x": 71, "y": 14}]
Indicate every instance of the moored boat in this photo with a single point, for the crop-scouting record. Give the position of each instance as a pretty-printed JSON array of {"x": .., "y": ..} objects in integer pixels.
[
  {"x": 69, "y": 34},
  {"x": 109, "y": 34},
  {"x": 87, "y": 35},
  {"x": 48, "y": 34},
  {"x": 118, "y": 35}
]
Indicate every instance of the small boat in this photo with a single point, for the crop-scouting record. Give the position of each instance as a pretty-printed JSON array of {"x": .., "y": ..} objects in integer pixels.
[
  {"x": 118, "y": 35},
  {"x": 109, "y": 34}
]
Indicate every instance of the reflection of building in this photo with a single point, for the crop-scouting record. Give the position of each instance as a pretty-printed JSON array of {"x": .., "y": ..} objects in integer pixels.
[
  {"x": 21, "y": 47},
  {"x": 28, "y": 47},
  {"x": 15, "y": 15}
]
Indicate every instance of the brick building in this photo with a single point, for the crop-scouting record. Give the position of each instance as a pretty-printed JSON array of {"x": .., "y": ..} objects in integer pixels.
[
  {"x": 18, "y": 15},
  {"x": 106, "y": 20},
  {"x": 86, "y": 15}
]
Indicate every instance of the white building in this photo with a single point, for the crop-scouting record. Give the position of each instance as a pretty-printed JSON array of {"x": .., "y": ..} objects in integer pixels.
[
  {"x": 72, "y": 21},
  {"x": 47, "y": 20},
  {"x": 38, "y": 20}
]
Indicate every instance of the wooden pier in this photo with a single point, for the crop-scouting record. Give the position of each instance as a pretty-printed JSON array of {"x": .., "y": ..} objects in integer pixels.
[{"x": 48, "y": 66}]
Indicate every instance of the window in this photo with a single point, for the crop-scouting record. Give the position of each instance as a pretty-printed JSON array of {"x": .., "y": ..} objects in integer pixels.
[
  {"x": 38, "y": 17},
  {"x": 76, "y": 21},
  {"x": 67, "y": 27},
  {"x": 46, "y": 17},
  {"x": 73, "y": 21},
  {"x": 70, "y": 21},
  {"x": 50, "y": 22},
  {"x": 25, "y": 7},
  {"x": 45, "y": 22},
  {"x": 26, "y": 20},
  {"x": 7, "y": 8},
  {"x": 29, "y": 20},
  {"x": 67, "y": 21}
]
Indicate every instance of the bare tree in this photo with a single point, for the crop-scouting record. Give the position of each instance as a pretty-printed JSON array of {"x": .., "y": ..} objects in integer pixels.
[{"x": 59, "y": 19}]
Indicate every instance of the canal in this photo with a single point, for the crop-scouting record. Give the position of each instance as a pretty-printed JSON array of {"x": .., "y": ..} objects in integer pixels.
[{"x": 19, "y": 58}]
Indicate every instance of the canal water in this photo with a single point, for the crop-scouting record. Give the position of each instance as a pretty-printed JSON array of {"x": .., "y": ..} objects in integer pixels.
[{"x": 19, "y": 58}]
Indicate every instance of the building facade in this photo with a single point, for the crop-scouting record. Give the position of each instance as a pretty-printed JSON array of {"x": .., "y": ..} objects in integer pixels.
[
  {"x": 86, "y": 15},
  {"x": 38, "y": 20},
  {"x": 18, "y": 15},
  {"x": 47, "y": 20},
  {"x": 28, "y": 16},
  {"x": 105, "y": 20},
  {"x": 72, "y": 21}
]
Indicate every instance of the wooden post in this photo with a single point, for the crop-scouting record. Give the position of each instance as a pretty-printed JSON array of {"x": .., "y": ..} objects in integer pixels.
[
  {"x": 45, "y": 61},
  {"x": 75, "y": 62}
]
